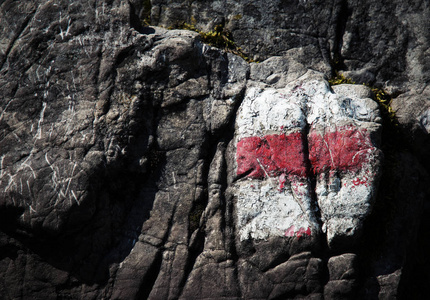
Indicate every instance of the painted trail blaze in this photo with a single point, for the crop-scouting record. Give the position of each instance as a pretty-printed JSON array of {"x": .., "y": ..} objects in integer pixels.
[
  {"x": 344, "y": 149},
  {"x": 340, "y": 150},
  {"x": 271, "y": 155},
  {"x": 284, "y": 157}
]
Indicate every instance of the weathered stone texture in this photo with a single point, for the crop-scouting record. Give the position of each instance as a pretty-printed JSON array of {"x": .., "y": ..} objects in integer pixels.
[{"x": 137, "y": 162}]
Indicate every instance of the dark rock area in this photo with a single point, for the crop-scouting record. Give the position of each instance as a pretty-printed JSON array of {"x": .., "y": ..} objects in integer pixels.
[{"x": 120, "y": 171}]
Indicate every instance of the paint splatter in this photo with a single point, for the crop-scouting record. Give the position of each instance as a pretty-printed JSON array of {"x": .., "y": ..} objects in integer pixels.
[
  {"x": 290, "y": 231},
  {"x": 282, "y": 181},
  {"x": 301, "y": 232},
  {"x": 360, "y": 181}
]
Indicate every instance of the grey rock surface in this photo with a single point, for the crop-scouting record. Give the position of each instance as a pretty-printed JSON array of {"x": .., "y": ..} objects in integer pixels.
[
  {"x": 137, "y": 162},
  {"x": 377, "y": 42}
]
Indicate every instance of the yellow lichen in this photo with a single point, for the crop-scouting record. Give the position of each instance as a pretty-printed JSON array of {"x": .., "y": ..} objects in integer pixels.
[{"x": 219, "y": 37}]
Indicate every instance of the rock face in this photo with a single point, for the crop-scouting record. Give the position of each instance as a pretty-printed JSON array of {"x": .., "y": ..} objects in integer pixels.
[
  {"x": 380, "y": 42},
  {"x": 138, "y": 162}
]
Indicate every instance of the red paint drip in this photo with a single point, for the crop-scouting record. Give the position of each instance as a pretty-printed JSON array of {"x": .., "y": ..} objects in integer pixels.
[
  {"x": 290, "y": 232},
  {"x": 271, "y": 155},
  {"x": 302, "y": 232},
  {"x": 362, "y": 181},
  {"x": 282, "y": 181},
  {"x": 341, "y": 150}
]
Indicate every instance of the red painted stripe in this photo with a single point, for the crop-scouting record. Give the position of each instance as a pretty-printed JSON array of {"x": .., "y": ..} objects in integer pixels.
[
  {"x": 271, "y": 155},
  {"x": 341, "y": 150},
  {"x": 344, "y": 149}
]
